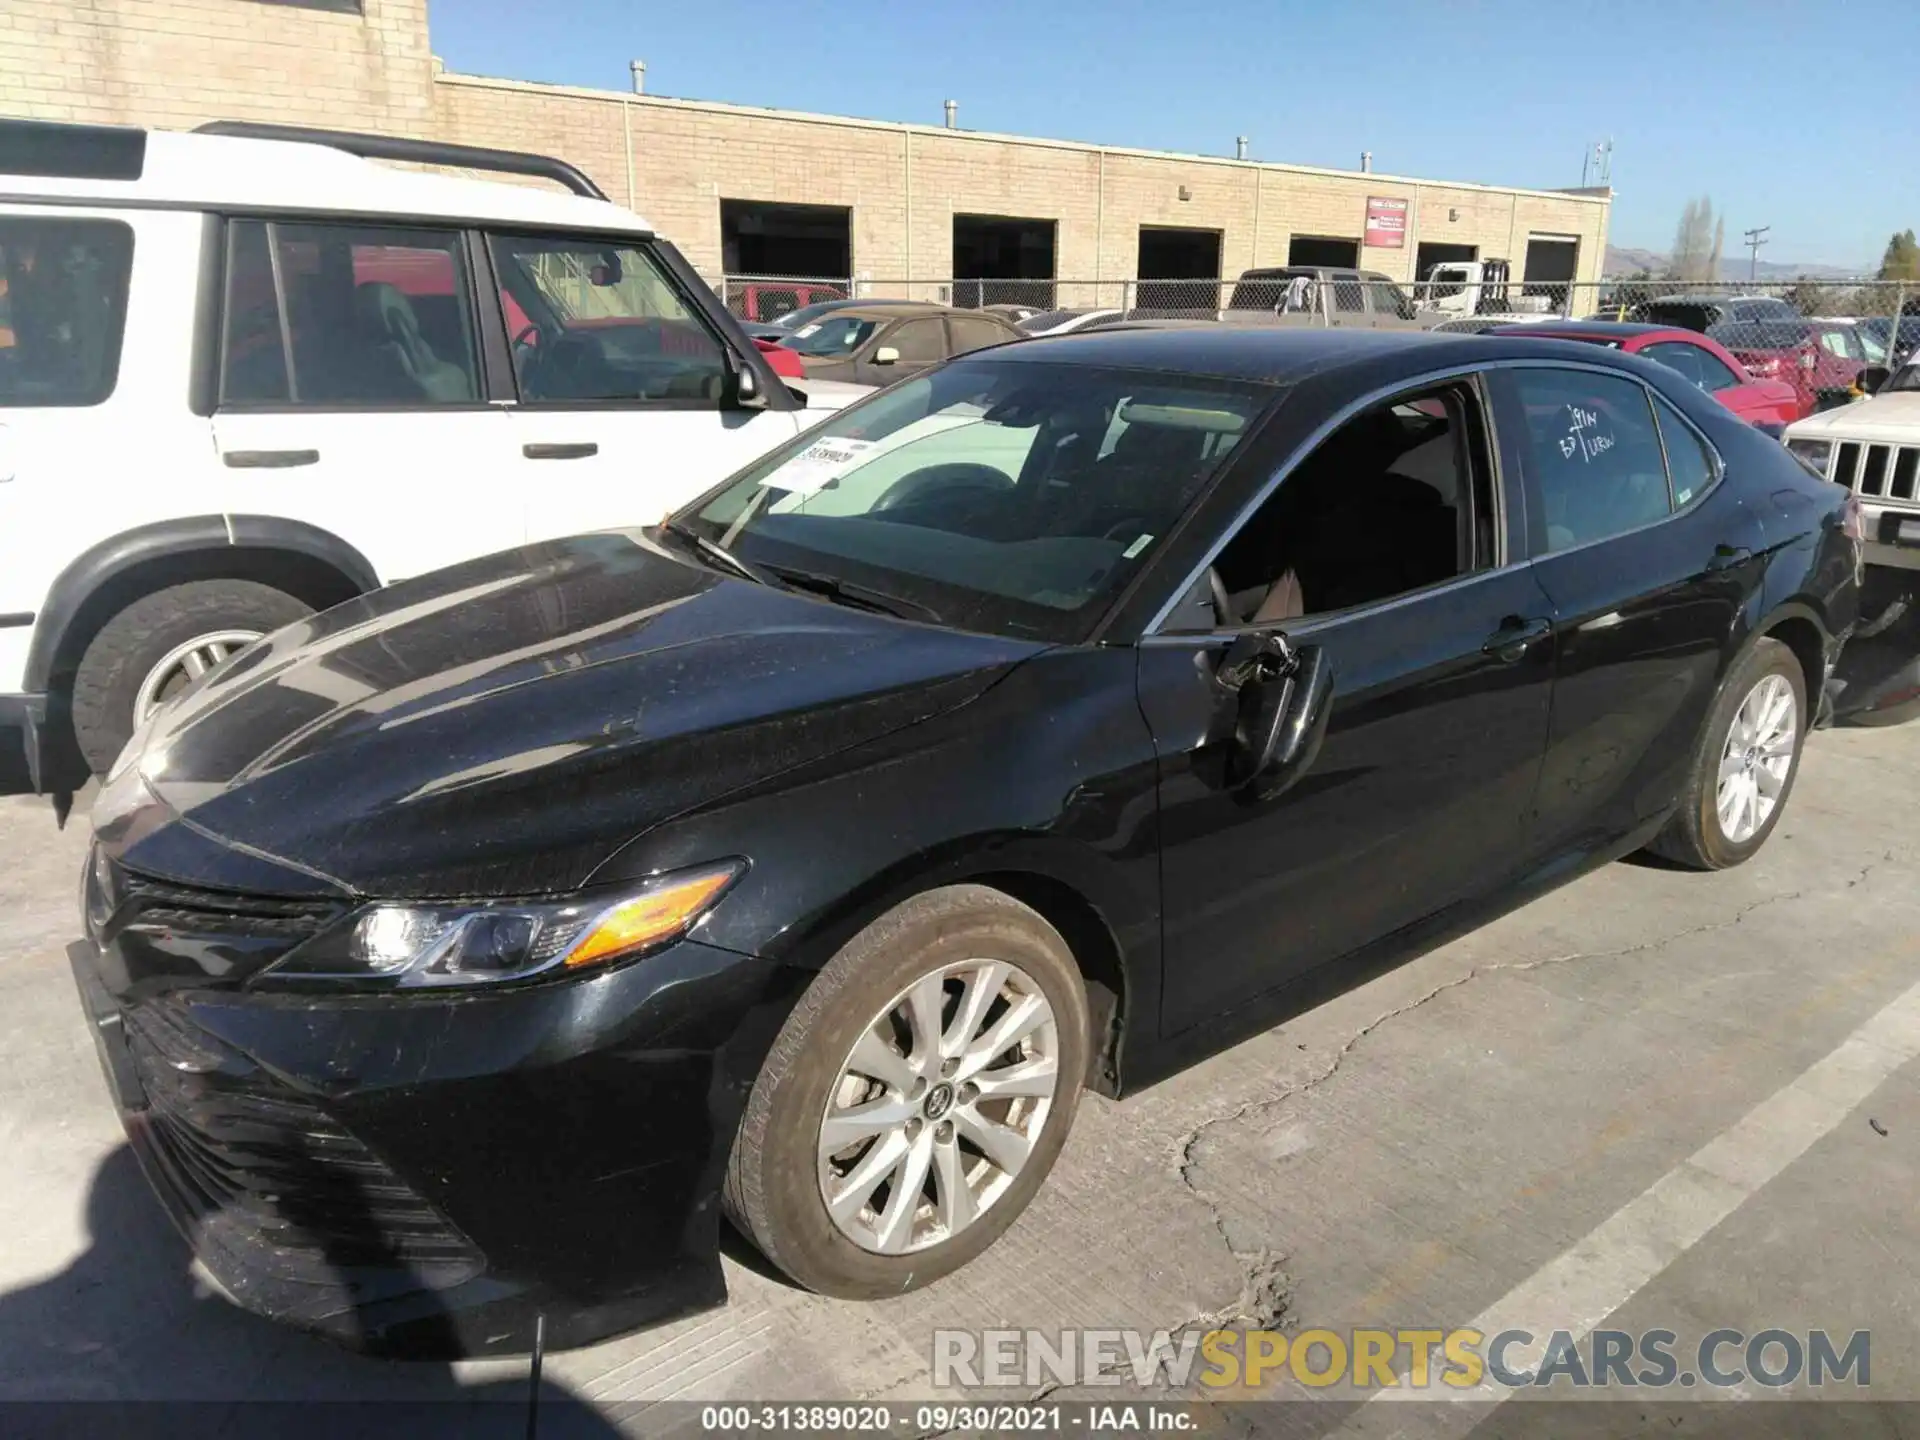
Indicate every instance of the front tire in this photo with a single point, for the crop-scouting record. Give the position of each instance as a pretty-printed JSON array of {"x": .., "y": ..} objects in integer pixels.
[
  {"x": 159, "y": 645},
  {"x": 1744, "y": 770},
  {"x": 915, "y": 1099}
]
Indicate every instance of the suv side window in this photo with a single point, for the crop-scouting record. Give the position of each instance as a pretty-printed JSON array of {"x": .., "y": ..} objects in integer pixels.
[
  {"x": 1592, "y": 454},
  {"x": 63, "y": 306},
  {"x": 360, "y": 315},
  {"x": 597, "y": 320}
]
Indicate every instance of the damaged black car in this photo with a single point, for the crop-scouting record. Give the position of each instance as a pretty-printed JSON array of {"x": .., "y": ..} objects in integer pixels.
[{"x": 464, "y": 958}]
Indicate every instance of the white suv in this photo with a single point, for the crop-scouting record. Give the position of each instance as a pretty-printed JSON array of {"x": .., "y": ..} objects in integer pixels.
[{"x": 247, "y": 373}]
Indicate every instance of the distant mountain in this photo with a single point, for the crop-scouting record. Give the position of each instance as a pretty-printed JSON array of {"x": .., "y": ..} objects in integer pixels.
[{"x": 1622, "y": 260}]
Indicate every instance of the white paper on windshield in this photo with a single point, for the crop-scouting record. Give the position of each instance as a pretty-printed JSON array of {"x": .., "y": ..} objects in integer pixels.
[
  {"x": 818, "y": 466},
  {"x": 806, "y": 330}
]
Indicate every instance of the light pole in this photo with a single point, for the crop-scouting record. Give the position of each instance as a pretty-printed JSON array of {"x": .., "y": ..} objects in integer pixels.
[{"x": 1755, "y": 239}]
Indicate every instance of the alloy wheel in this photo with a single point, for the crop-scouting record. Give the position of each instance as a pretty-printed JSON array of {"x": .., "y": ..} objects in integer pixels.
[
  {"x": 938, "y": 1106},
  {"x": 183, "y": 665},
  {"x": 1757, "y": 758}
]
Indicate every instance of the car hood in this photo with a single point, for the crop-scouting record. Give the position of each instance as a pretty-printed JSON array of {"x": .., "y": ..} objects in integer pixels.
[
  {"x": 502, "y": 727},
  {"x": 1893, "y": 418}
]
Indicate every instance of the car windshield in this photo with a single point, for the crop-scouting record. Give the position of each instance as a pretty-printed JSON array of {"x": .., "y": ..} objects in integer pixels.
[
  {"x": 807, "y": 314},
  {"x": 1011, "y": 497},
  {"x": 832, "y": 335},
  {"x": 1905, "y": 378},
  {"x": 1047, "y": 319}
]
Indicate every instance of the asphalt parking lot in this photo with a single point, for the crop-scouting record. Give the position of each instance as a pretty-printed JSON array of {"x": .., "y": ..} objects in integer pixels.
[{"x": 1654, "y": 1099}]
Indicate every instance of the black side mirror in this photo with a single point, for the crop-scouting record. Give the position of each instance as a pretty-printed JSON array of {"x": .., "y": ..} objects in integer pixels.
[
  {"x": 1284, "y": 700},
  {"x": 746, "y": 387},
  {"x": 1871, "y": 378}
]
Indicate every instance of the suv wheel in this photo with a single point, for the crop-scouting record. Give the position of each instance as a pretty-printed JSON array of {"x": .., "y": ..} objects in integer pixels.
[
  {"x": 916, "y": 1098},
  {"x": 159, "y": 645}
]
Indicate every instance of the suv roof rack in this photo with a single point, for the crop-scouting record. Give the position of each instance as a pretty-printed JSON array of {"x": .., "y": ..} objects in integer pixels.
[{"x": 418, "y": 152}]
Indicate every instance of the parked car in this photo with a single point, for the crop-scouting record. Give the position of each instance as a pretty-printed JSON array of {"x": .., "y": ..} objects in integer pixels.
[
  {"x": 1704, "y": 313},
  {"x": 793, "y": 320},
  {"x": 1903, "y": 344},
  {"x": 1872, "y": 448},
  {"x": 764, "y": 302},
  {"x": 785, "y": 363},
  {"x": 300, "y": 344},
  {"x": 879, "y": 344},
  {"x": 1048, "y": 719},
  {"x": 1334, "y": 295},
  {"x": 1820, "y": 359},
  {"x": 1065, "y": 322},
  {"x": 1772, "y": 405}
]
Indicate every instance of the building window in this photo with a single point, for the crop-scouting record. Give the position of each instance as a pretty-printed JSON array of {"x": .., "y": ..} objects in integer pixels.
[{"x": 340, "y": 7}]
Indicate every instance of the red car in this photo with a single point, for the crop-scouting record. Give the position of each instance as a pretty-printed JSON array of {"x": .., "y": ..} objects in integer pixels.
[
  {"x": 1821, "y": 359},
  {"x": 1772, "y": 404},
  {"x": 785, "y": 362},
  {"x": 765, "y": 301}
]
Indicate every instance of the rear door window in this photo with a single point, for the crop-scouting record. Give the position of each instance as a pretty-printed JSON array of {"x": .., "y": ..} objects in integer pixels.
[
  {"x": 1592, "y": 454},
  {"x": 63, "y": 309},
  {"x": 972, "y": 334},
  {"x": 326, "y": 316}
]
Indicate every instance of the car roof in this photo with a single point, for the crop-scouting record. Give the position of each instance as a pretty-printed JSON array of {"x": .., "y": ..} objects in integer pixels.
[
  {"x": 874, "y": 309},
  {"x": 236, "y": 174},
  {"x": 1610, "y": 329},
  {"x": 1271, "y": 355}
]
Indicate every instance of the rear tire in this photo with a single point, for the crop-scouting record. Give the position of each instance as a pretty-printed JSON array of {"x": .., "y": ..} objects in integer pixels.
[
  {"x": 827, "y": 1078},
  {"x": 159, "y": 632},
  {"x": 1738, "y": 790}
]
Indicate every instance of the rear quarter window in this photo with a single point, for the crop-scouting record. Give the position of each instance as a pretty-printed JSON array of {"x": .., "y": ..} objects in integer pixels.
[{"x": 63, "y": 309}]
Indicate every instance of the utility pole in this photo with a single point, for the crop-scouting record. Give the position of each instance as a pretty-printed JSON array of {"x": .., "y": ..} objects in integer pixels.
[{"x": 1755, "y": 239}]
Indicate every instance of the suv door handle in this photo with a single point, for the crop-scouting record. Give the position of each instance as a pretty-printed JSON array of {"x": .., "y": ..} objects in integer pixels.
[
  {"x": 578, "y": 450},
  {"x": 269, "y": 459},
  {"x": 1510, "y": 643}
]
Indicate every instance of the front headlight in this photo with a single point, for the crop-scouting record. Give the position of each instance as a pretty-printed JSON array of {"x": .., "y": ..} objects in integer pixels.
[
  {"x": 1814, "y": 454},
  {"x": 411, "y": 946}
]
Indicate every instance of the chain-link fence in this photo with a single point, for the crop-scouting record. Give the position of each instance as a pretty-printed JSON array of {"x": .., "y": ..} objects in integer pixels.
[{"x": 1803, "y": 325}]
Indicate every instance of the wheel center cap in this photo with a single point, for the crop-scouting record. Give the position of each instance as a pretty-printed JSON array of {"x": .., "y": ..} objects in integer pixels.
[
  {"x": 939, "y": 1101},
  {"x": 1752, "y": 758}
]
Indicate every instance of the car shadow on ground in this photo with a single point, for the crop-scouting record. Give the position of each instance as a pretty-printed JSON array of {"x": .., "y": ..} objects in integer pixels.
[{"x": 125, "y": 1341}]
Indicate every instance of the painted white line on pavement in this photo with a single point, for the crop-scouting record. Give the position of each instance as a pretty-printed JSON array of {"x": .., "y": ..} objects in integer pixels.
[{"x": 1597, "y": 1275}]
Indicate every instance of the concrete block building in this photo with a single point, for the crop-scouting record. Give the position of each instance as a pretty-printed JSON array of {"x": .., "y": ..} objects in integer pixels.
[{"x": 744, "y": 190}]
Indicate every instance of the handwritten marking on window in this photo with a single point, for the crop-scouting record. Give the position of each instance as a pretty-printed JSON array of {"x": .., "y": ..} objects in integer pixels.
[{"x": 1583, "y": 437}]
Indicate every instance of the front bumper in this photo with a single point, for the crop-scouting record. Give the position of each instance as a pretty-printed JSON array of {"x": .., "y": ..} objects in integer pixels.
[
  {"x": 425, "y": 1176},
  {"x": 1893, "y": 536}
]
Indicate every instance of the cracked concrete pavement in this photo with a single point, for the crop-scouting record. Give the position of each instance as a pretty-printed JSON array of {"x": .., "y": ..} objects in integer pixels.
[{"x": 1402, "y": 1156}]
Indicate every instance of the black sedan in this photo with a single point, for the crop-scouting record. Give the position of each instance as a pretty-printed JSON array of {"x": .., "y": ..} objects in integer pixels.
[{"x": 1054, "y": 719}]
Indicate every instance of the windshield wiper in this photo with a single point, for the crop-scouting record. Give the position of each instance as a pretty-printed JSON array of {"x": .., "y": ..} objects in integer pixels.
[
  {"x": 856, "y": 597},
  {"x": 719, "y": 554}
]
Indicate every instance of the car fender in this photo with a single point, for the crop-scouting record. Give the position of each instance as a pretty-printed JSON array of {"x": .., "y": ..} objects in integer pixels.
[{"x": 96, "y": 570}]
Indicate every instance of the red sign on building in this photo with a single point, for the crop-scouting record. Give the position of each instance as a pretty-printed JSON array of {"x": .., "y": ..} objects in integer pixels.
[{"x": 1386, "y": 222}]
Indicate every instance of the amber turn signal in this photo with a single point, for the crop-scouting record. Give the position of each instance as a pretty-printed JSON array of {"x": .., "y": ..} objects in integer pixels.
[{"x": 649, "y": 918}]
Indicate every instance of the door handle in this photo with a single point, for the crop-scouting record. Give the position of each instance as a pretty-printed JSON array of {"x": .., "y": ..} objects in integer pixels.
[
  {"x": 1510, "y": 643},
  {"x": 1727, "y": 557},
  {"x": 579, "y": 450},
  {"x": 269, "y": 459}
]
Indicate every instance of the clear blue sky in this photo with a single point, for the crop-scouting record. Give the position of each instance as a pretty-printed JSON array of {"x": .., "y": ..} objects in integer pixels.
[{"x": 1764, "y": 105}]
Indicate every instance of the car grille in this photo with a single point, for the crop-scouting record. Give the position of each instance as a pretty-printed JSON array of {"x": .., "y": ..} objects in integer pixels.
[
  {"x": 1887, "y": 473},
  {"x": 188, "y": 908},
  {"x": 277, "y": 1194}
]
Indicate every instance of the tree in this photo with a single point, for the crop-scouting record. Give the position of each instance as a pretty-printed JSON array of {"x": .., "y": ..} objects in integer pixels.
[
  {"x": 1697, "y": 243},
  {"x": 1902, "y": 260}
]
